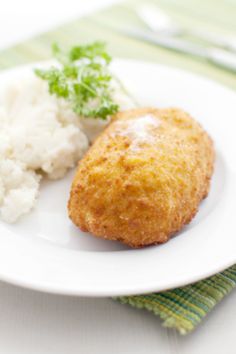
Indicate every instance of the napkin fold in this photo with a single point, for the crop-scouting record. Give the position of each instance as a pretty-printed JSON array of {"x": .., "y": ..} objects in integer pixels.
[{"x": 185, "y": 307}]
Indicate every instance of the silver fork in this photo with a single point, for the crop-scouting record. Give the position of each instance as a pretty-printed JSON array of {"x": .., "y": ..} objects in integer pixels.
[
  {"x": 165, "y": 36},
  {"x": 160, "y": 22}
]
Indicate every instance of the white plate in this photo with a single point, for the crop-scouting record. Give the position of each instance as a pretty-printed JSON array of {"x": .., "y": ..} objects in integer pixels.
[{"x": 45, "y": 251}]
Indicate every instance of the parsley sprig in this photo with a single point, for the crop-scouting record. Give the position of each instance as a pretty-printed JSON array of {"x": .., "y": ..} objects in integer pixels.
[{"x": 83, "y": 79}]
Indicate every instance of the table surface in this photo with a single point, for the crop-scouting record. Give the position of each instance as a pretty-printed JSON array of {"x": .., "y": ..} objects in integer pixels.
[{"x": 33, "y": 322}]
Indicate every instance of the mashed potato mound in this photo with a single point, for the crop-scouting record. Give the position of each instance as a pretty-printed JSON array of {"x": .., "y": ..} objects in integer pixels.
[{"x": 39, "y": 136}]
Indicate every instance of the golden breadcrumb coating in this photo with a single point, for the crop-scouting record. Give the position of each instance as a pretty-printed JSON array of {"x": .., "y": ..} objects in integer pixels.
[{"x": 143, "y": 178}]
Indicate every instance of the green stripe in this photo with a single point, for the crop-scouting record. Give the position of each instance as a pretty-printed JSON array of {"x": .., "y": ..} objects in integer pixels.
[{"x": 185, "y": 312}]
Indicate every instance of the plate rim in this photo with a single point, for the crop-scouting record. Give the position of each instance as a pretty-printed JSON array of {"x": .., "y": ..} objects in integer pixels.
[{"x": 147, "y": 289}]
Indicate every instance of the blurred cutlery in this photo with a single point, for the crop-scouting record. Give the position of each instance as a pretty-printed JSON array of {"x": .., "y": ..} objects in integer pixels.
[
  {"x": 218, "y": 57},
  {"x": 158, "y": 21}
]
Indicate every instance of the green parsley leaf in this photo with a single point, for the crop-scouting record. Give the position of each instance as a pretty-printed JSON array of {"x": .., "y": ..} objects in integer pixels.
[{"x": 83, "y": 79}]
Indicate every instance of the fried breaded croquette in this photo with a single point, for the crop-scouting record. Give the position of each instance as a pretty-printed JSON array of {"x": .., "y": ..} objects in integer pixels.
[{"x": 143, "y": 178}]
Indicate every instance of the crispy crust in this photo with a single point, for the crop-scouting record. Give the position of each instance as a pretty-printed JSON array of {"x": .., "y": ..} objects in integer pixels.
[{"x": 143, "y": 197}]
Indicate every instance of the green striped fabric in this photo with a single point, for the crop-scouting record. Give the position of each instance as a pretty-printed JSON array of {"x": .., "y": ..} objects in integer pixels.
[{"x": 182, "y": 308}]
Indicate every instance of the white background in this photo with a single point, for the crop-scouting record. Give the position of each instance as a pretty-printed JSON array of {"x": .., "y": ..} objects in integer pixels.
[{"x": 32, "y": 322}]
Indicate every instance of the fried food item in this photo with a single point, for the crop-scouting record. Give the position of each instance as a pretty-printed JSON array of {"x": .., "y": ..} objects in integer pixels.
[{"x": 143, "y": 178}]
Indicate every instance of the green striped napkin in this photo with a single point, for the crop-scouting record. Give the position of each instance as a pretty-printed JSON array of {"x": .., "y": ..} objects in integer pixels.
[{"x": 182, "y": 308}]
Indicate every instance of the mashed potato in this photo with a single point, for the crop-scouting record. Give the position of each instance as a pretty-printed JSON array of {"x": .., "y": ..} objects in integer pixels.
[{"x": 39, "y": 136}]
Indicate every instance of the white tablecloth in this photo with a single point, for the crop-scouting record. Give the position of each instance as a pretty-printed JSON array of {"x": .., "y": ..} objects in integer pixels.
[
  {"x": 36, "y": 323},
  {"x": 32, "y": 322}
]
